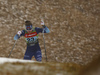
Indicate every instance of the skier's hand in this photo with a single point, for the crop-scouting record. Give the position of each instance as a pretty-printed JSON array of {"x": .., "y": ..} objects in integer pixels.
[
  {"x": 19, "y": 33},
  {"x": 42, "y": 22}
]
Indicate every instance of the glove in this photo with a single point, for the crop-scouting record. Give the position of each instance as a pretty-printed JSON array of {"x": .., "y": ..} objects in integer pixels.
[
  {"x": 42, "y": 22},
  {"x": 19, "y": 33}
]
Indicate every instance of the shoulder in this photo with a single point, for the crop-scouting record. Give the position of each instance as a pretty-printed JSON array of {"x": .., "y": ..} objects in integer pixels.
[
  {"x": 38, "y": 30},
  {"x": 23, "y": 31}
]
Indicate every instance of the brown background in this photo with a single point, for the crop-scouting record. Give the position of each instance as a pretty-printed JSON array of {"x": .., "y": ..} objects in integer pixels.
[{"x": 74, "y": 26}]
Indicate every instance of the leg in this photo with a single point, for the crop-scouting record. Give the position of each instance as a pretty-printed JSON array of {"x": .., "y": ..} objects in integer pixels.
[
  {"x": 28, "y": 55},
  {"x": 38, "y": 55}
]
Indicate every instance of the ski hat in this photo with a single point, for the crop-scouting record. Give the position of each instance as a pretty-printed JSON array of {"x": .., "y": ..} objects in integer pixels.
[{"x": 28, "y": 25}]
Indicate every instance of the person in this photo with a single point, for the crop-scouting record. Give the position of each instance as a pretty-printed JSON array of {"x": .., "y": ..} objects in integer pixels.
[{"x": 31, "y": 36}]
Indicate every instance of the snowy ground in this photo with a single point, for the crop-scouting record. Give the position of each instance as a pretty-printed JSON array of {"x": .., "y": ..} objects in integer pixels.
[
  {"x": 9, "y": 66},
  {"x": 7, "y": 60}
]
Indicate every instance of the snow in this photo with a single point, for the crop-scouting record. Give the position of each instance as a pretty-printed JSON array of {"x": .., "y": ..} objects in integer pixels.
[{"x": 5, "y": 60}]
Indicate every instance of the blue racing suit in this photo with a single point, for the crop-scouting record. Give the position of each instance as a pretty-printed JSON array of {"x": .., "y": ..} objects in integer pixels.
[{"x": 33, "y": 48}]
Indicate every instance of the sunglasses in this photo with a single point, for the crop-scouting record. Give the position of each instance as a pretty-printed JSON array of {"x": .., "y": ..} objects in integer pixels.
[{"x": 29, "y": 27}]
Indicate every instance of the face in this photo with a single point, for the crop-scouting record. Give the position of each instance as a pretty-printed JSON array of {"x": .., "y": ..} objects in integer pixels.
[
  {"x": 29, "y": 31},
  {"x": 29, "y": 28}
]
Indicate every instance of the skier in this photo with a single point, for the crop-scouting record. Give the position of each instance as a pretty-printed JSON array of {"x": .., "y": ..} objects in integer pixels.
[{"x": 31, "y": 36}]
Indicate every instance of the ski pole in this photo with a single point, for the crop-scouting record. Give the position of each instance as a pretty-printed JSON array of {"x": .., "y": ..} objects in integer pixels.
[
  {"x": 44, "y": 45},
  {"x": 12, "y": 49}
]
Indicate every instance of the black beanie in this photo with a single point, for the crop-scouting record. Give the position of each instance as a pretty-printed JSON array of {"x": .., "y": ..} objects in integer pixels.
[{"x": 27, "y": 23}]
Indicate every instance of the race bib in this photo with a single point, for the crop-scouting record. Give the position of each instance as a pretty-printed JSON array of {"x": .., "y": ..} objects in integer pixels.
[{"x": 32, "y": 39}]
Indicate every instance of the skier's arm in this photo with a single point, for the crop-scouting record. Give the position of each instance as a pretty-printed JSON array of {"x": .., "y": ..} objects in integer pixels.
[
  {"x": 16, "y": 37},
  {"x": 45, "y": 28},
  {"x": 40, "y": 30},
  {"x": 19, "y": 34}
]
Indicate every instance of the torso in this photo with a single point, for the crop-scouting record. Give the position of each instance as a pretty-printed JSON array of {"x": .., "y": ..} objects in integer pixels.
[{"x": 31, "y": 38}]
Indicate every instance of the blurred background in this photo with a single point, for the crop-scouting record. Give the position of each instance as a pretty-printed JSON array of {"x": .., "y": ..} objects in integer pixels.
[
  {"x": 74, "y": 28},
  {"x": 73, "y": 41}
]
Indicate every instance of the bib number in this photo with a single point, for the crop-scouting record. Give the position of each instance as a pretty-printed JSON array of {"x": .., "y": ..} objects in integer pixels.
[{"x": 30, "y": 40}]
